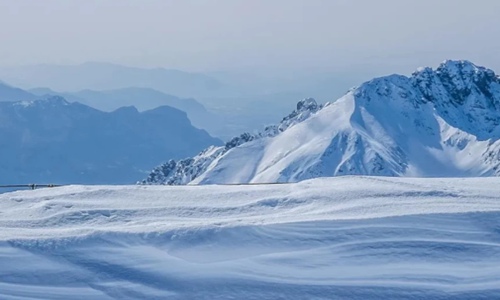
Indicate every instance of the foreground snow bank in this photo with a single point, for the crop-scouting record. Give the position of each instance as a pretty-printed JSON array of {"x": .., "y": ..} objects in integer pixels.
[{"x": 345, "y": 237}]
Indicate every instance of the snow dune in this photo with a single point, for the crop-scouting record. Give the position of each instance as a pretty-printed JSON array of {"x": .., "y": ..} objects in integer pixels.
[{"x": 331, "y": 238}]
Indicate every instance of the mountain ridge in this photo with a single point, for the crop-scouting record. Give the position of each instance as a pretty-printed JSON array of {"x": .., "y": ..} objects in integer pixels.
[
  {"x": 143, "y": 99},
  {"x": 54, "y": 141},
  {"x": 105, "y": 76},
  {"x": 434, "y": 123},
  {"x": 10, "y": 93}
]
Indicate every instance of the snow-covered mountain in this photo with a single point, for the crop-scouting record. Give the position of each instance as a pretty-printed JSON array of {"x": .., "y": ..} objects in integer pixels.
[
  {"x": 54, "y": 141},
  {"x": 442, "y": 122}
]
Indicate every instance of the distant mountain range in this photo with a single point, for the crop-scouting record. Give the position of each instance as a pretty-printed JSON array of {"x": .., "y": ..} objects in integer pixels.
[
  {"x": 210, "y": 87},
  {"x": 10, "y": 93},
  {"x": 141, "y": 98},
  {"x": 226, "y": 117},
  {"x": 106, "y": 76},
  {"x": 241, "y": 101},
  {"x": 54, "y": 141},
  {"x": 442, "y": 122}
]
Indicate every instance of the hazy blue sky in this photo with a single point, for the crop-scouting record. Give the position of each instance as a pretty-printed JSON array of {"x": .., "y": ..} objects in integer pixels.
[{"x": 202, "y": 35}]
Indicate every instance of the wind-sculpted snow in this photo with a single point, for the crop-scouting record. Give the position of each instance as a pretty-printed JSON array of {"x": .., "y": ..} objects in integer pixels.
[
  {"x": 336, "y": 238},
  {"x": 436, "y": 123}
]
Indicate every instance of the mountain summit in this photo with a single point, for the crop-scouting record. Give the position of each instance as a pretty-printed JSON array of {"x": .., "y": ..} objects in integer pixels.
[{"x": 437, "y": 122}]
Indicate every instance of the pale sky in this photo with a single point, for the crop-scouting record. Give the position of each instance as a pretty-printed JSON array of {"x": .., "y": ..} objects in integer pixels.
[{"x": 203, "y": 35}]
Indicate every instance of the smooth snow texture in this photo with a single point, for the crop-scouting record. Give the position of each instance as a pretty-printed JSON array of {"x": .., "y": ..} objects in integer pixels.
[{"x": 335, "y": 238}]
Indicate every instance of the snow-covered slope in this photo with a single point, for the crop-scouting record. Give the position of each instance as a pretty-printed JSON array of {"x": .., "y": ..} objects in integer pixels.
[
  {"x": 54, "y": 141},
  {"x": 442, "y": 122},
  {"x": 332, "y": 238}
]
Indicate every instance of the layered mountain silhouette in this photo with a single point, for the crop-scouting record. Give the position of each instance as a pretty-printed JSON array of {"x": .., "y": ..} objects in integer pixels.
[
  {"x": 106, "y": 76},
  {"x": 54, "y": 141},
  {"x": 141, "y": 98},
  {"x": 10, "y": 93}
]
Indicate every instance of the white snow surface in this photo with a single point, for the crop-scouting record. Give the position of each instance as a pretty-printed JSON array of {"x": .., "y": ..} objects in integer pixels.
[{"x": 328, "y": 238}]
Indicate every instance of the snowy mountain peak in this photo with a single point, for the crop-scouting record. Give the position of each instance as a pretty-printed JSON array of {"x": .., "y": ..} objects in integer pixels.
[
  {"x": 303, "y": 110},
  {"x": 465, "y": 95},
  {"x": 381, "y": 86},
  {"x": 458, "y": 78},
  {"x": 186, "y": 170},
  {"x": 464, "y": 76},
  {"x": 48, "y": 101},
  {"x": 462, "y": 68},
  {"x": 307, "y": 104},
  {"x": 442, "y": 122}
]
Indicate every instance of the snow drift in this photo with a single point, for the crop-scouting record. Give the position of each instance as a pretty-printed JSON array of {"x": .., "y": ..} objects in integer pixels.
[
  {"x": 335, "y": 238},
  {"x": 436, "y": 123}
]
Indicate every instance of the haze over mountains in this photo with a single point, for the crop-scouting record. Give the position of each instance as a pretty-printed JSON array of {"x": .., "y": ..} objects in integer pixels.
[
  {"x": 254, "y": 150},
  {"x": 241, "y": 101},
  {"x": 442, "y": 122},
  {"x": 10, "y": 93},
  {"x": 207, "y": 86},
  {"x": 38, "y": 158},
  {"x": 142, "y": 99},
  {"x": 105, "y": 76},
  {"x": 53, "y": 141}
]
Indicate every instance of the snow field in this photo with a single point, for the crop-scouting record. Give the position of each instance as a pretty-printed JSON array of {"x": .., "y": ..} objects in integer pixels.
[{"x": 331, "y": 238}]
